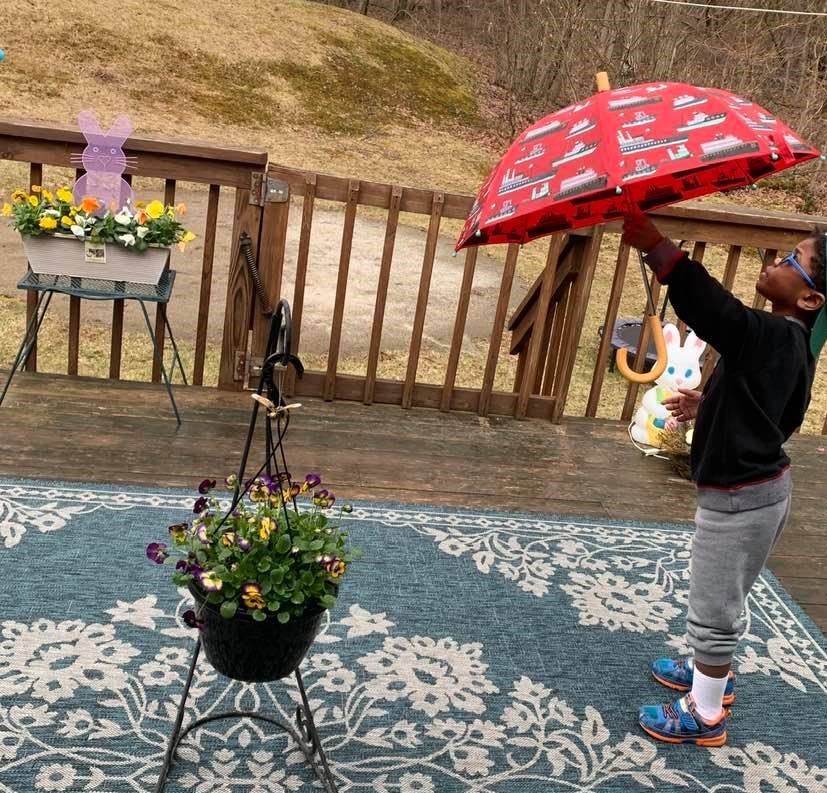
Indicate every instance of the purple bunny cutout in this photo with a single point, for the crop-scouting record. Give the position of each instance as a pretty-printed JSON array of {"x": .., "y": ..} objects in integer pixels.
[{"x": 104, "y": 162}]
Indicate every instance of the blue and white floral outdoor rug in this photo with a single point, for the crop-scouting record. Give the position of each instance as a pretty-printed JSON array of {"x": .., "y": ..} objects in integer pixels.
[{"x": 468, "y": 652}]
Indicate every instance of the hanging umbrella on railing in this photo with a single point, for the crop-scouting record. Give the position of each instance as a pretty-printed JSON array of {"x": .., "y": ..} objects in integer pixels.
[{"x": 625, "y": 151}]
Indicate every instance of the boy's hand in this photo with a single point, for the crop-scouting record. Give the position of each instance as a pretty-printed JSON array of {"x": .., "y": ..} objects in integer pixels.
[
  {"x": 640, "y": 232},
  {"x": 684, "y": 405}
]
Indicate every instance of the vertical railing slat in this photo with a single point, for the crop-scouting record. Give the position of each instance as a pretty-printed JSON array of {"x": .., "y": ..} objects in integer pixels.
[
  {"x": 759, "y": 301},
  {"x": 608, "y": 330},
  {"x": 303, "y": 257},
  {"x": 35, "y": 178},
  {"x": 207, "y": 261},
  {"x": 341, "y": 291},
  {"x": 459, "y": 328},
  {"x": 497, "y": 328},
  {"x": 116, "y": 333},
  {"x": 640, "y": 358},
  {"x": 422, "y": 299},
  {"x": 538, "y": 328},
  {"x": 553, "y": 361},
  {"x": 382, "y": 293},
  {"x": 698, "y": 251},
  {"x": 160, "y": 309}
]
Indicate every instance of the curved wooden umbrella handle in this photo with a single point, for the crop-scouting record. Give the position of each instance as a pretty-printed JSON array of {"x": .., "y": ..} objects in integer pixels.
[{"x": 660, "y": 364}]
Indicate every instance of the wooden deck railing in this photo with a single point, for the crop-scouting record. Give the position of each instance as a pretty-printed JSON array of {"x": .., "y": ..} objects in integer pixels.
[{"x": 546, "y": 329}]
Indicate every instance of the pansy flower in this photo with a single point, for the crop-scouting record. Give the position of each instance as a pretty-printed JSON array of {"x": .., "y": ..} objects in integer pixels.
[
  {"x": 201, "y": 534},
  {"x": 200, "y": 505},
  {"x": 228, "y": 539},
  {"x": 178, "y": 532},
  {"x": 335, "y": 567},
  {"x": 157, "y": 552},
  {"x": 231, "y": 481},
  {"x": 243, "y": 543},
  {"x": 259, "y": 491},
  {"x": 311, "y": 481},
  {"x": 191, "y": 621},
  {"x": 252, "y": 596},
  {"x": 210, "y": 582},
  {"x": 205, "y": 486},
  {"x": 266, "y": 527}
]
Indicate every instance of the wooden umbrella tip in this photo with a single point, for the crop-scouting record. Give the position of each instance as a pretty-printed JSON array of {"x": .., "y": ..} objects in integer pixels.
[{"x": 602, "y": 80}]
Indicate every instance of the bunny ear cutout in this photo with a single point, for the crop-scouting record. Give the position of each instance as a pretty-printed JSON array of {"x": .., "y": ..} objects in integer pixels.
[
  {"x": 121, "y": 128},
  {"x": 671, "y": 335},
  {"x": 88, "y": 123},
  {"x": 695, "y": 343}
]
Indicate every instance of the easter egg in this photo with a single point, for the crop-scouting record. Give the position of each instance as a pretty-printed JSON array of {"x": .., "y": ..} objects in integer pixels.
[{"x": 2, "y": 55}]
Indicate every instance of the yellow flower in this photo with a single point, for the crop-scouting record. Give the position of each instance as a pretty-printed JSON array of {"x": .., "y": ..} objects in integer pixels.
[
  {"x": 6, "y": 210},
  {"x": 188, "y": 237},
  {"x": 140, "y": 204},
  {"x": 48, "y": 196},
  {"x": 155, "y": 209},
  {"x": 36, "y": 188},
  {"x": 34, "y": 200},
  {"x": 142, "y": 217},
  {"x": 19, "y": 195},
  {"x": 266, "y": 528},
  {"x": 47, "y": 222},
  {"x": 64, "y": 195},
  {"x": 66, "y": 220}
]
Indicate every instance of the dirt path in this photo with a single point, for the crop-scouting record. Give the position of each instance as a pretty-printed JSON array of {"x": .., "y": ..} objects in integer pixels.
[{"x": 321, "y": 282}]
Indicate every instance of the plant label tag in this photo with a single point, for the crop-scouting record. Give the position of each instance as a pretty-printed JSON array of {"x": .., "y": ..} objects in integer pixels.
[{"x": 94, "y": 252}]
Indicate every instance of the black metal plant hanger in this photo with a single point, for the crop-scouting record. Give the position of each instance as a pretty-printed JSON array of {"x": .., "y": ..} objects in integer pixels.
[{"x": 277, "y": 359}]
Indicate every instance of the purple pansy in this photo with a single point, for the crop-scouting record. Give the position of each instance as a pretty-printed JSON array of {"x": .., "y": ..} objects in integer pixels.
[
  {"x": 201, "y": 534},
  {"x": 243, "y": 543},
  {"x": 191, "y": 621},
  {"x": 200, "y": 505},
  {"x": 205, "y": 486},
  {"x": 157, "y": 552},
  {"x": 312, "y": 480}
]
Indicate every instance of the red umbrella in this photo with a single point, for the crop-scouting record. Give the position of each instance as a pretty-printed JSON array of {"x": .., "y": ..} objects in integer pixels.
[{"x": 628, "y": 149}]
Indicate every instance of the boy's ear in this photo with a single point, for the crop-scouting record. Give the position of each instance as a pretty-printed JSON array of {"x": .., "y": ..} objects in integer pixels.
[{"x": 810, "y": 300}]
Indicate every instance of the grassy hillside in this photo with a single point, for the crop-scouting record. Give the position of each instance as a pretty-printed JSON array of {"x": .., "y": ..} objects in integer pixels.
[{"x": 318, "y": 87}]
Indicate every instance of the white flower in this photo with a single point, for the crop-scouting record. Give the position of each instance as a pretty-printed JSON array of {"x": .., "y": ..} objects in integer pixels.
[
  {"x": 142, "y": 231},
  {"x": 486, "y": 732},
  {"x": 124, "y": 217},
  {"x": 613, "y": 602},
  {"x": 78, "y": 231},
  {"x": 140, "y": 613},
  {"x": 325, "y": 662},
  {"x": 157, "y": 674},
  {"x": 55, "y": 659},
  {"x": 415, "y": 783},
  {"x": 446, "y": 730},
  {"x": 57, "y": 776},
  {"x": 405, "y": 734},
  {"x": 472, "y": 760},
  {"x": 435, "y": 675},
  {"x": 28, "y": 716},
  {"x": 52, "y": 213},
  {"x": 127, "y": 239},
  {"x": 363, "y": 623},
  {"x": 78, "y": 722}
]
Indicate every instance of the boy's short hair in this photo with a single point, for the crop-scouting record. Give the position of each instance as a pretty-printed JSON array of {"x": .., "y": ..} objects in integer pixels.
[{"x": 819, "y": 238}]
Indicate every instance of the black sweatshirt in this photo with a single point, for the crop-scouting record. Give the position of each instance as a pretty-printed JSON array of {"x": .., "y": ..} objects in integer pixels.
[{"x": 759, "y": 392}]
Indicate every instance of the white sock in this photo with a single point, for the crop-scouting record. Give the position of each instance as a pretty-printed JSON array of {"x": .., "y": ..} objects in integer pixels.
[{"x": 708, "y": 694}]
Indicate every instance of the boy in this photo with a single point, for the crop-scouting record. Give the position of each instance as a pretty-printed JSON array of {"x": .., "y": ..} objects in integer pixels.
[{"x": 755, "y": 399}]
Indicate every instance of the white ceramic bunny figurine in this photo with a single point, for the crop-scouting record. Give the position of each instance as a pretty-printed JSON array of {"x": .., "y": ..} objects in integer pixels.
[
  {"x": 682, "y": 371},
  {"x": 104, "y": 162}
]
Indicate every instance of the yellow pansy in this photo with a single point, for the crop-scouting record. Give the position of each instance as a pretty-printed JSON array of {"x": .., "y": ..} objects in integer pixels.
[
  {"x": 66, "y": 220},
  {"x": 47, "y": 195},
  {"x": 188, "y": 237},
  {"x": 47, "y": 222},
  {"x": 34, "y": 200},
  {"x": 155, "y": 209},
  {"x": 36, "y": 188},
  {"x": 6, "y": 210},
  {"x": 19, "y": 195},
  {"x": 64, "y": 195}
]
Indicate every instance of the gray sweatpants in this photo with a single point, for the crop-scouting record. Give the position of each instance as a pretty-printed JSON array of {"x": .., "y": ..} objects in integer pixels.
[{"x": 728, "y": 551}]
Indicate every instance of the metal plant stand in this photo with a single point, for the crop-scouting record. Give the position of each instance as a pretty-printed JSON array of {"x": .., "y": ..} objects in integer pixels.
[
  {"x": 98, "y": 289},
  {"x": 276, "y": 360}
]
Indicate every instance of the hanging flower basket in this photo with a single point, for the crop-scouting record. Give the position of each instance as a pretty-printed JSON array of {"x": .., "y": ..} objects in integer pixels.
[{"x": 66, "y": 255}]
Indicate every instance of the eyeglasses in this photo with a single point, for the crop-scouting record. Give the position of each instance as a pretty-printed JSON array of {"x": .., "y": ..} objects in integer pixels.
[{"x": 790, "y": 260}]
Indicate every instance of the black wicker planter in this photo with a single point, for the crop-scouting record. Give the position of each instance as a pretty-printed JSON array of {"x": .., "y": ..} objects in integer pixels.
[{"x": 255, "y": 652}]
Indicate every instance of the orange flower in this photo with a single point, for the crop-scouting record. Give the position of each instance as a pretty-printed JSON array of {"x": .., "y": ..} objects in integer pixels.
[
  {"x": 141, "y": 217},
  {"x": 89, "y": 204},
  {"x": 181, "y": 209}
]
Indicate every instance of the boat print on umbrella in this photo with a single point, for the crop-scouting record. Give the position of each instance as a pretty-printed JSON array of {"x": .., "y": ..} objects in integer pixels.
[
  {"x": 642, "y": 168},
  {"x": 584, "y": 125},
  {"x": 540, "y": 192},
  {"x": 687, "y": 100},
  {"x": 506, "y": 210},
  {"x": 585, "y": 180},
  {"x": 537, "y": 150},
  {"x": 547, "y": 129},
  {"x": 653, "y": 89},
  {"x": 579, "y": 149},
  {"x": 639, "y": 120},
  {"x": 723, "y": 146},
  {"x": 679, "y": 153},
  {"x": 514, "y": 180},
  {"x": 700, "y": 120},
  {"x": 795, "y": 144},
  {"x": 629, "y": 144},
  {"x": 633, "y": 101}
]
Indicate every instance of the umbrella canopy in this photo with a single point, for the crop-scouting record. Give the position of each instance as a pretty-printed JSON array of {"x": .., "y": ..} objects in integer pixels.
[{"x": 626, "y": 149}]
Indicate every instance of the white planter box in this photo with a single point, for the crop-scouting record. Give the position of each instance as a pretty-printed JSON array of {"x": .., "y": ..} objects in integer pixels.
[{"x": 64, "y": 255}]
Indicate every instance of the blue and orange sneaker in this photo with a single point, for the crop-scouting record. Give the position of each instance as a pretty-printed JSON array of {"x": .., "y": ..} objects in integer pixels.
[
  {"x": 679, "y": 722},
  {"x": 677, "y": 675}
]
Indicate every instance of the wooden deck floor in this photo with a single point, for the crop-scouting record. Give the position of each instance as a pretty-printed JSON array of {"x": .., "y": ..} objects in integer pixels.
[{"x": 56, "y": 427}]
